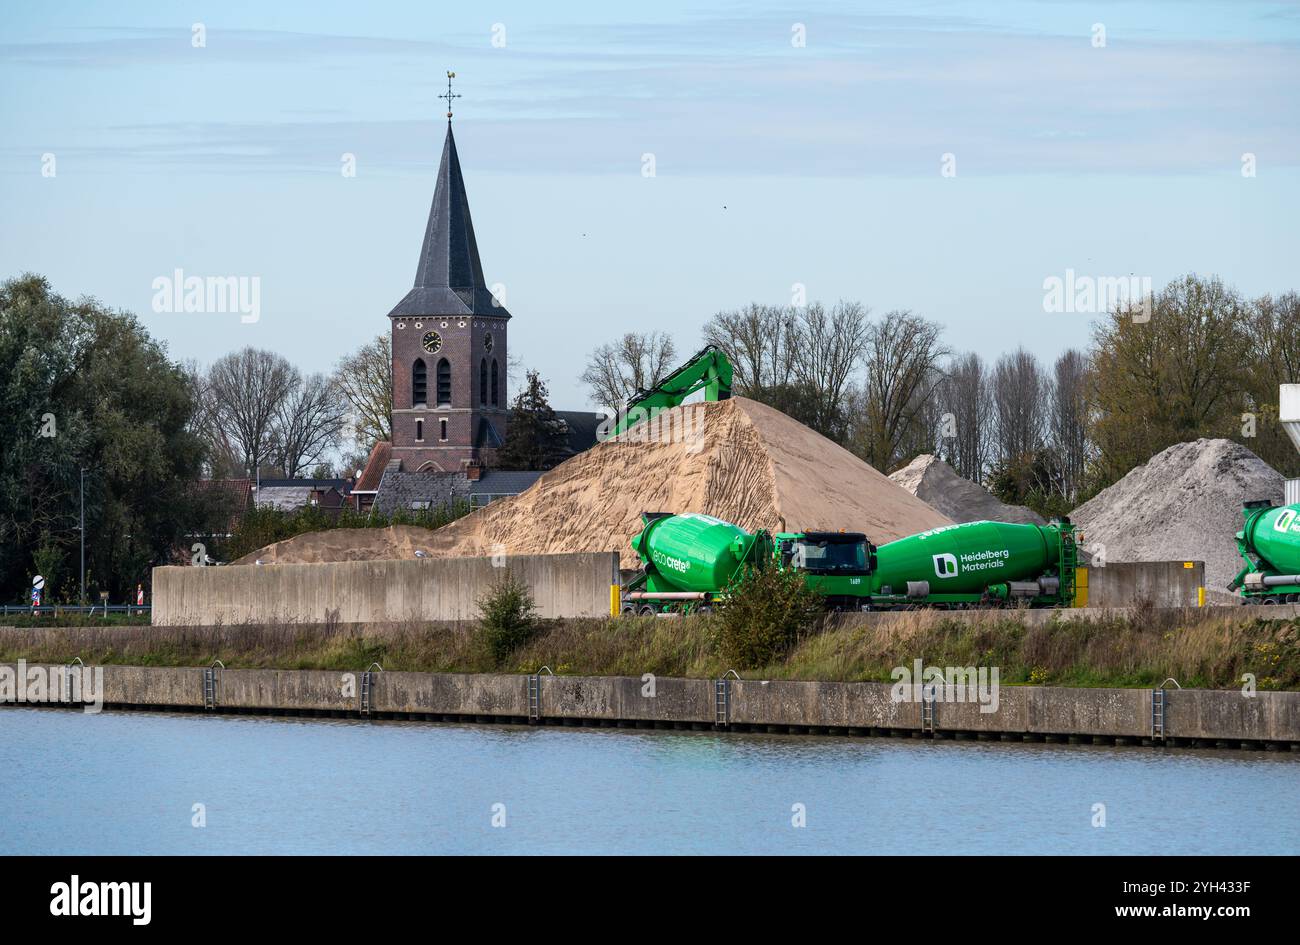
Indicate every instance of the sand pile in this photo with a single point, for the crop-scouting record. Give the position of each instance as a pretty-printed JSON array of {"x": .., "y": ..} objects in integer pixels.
[
  {"x": 1184, "y": 503},
  {"x": 345, "y": 544},
  {"x": 937, "y": 484},
  {"x": 737, "y": 459}
]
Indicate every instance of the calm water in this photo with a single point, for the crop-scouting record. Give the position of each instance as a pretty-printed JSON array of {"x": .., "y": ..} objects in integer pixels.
[{"x": 127, "y": 782}]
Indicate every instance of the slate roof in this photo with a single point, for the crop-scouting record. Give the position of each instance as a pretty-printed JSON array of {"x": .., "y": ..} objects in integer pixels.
[
  {"x": 288, "y": 498},
  {"x": 344, "y": 486},
  {"x": 582, "y": 427},
  {"x": 449, "y": 279},
  {"x": 486, "y": 435},
  {"x": 409, "y": 490}
]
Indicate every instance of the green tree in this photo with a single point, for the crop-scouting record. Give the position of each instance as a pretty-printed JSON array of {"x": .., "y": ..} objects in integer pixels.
[
  {"x": 82, "y": 387},
  {"x": 507, "y": 617},
  {"x": 1169, "y": 374},
  {"x": 1035, "y": 479},
  {"x": 766, "y": 612},
  {"x": 1274, "y": 329},
  {"x": 535, "y": 437}
]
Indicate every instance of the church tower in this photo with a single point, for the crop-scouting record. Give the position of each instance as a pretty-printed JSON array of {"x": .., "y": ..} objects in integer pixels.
[{"x": 449, "y": 342}]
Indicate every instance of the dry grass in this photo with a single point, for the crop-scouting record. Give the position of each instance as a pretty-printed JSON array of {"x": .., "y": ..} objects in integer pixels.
[{"x": 1202, "y": 649}]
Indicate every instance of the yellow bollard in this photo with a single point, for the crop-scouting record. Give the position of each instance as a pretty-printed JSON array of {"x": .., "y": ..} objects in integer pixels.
[
  {"x": 1080, "y": 587},
  {"x": 1200, "y": 596},
  {"x": 615, "y": 600}
]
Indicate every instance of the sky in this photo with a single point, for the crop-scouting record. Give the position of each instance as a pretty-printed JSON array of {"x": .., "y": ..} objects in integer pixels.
[{"x": 945, "y": 158}]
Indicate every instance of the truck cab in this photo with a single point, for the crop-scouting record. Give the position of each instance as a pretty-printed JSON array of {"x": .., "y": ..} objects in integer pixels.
[{"x": 837, "y": 564}]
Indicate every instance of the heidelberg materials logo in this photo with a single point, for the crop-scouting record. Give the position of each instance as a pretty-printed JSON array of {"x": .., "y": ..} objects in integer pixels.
[{"x": 945, "y": 565}]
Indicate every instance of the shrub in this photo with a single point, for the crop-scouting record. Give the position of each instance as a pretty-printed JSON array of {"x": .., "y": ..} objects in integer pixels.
[
  {"x": 507, "y": 617},
  {"x": 764, "y": 615}
]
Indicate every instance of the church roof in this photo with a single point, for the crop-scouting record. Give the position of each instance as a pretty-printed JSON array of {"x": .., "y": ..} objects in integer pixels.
[{"x": 449, "y": 279}]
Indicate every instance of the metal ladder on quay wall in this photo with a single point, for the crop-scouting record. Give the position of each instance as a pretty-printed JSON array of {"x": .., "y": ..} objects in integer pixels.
[
  {"x": 535, "y": 694},
  {"x": 364, "y": 697},
  {"x": 1158, "y": 706},
  {"x": 211, "y": 682},
  {"x": 722, "y": 698}
]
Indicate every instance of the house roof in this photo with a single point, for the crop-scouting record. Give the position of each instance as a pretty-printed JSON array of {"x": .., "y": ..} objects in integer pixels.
[
  {"x": 235, "y": 496},
  {"x": 344, "y": 486},
  {"x": 449, "y": 279},
  {"x": 288, "y": 498},
  {"x": 380, "y": 454},
  {"x": 408, "y": 490},
  {"x": 486, "y": 435},
  {"x": 581, "y": 429}
]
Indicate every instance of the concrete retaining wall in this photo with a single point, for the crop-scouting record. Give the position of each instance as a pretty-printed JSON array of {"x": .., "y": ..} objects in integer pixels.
[
  {"x": 1163, "y": 583},
  {"x": 1191, "y": 716},
  {"x": 575, "y": 585}
]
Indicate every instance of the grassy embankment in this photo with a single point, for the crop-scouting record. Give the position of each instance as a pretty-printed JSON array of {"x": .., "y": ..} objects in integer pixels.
[{"x": 1199, "y": 649}]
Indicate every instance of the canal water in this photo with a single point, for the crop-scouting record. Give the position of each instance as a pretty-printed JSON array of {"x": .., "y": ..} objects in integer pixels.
[{"x": 130, "y": 782}]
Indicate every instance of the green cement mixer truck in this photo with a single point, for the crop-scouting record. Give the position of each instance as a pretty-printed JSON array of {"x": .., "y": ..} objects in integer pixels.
[
  {"x": 689, "y": 561},
  {"x": 1269, "y": 543}
]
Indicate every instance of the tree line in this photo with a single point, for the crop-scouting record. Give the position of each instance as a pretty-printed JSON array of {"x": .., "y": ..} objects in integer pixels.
[
  {"x": 1194, "y": 360},
  {"x": 86, "y": 388}
]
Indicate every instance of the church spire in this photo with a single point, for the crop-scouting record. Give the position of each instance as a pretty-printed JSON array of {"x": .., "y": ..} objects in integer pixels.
[{"x": 449, "y": 279}]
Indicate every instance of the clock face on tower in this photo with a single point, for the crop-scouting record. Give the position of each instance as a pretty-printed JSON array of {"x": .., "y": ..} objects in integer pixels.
[
  {"x": 487, "y": 342},
  {"x": 431, "y": 342}
]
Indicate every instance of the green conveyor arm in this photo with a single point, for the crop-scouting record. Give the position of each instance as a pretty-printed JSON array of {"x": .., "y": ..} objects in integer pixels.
[{"x": 708, "y": 370}]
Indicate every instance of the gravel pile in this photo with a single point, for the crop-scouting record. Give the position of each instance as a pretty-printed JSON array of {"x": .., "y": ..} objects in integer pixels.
[
  {"x": 1183, "y": 504},
  {"x": 937, "y": 484}
]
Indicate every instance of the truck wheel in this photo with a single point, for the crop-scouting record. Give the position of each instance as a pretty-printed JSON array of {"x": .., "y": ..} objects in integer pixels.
[
  {"x": 1270, "y": 600},
  {"x": 629, "y": 608},
  {"x": 647, "y": 610},
  {"x": 704, "y": 609}
]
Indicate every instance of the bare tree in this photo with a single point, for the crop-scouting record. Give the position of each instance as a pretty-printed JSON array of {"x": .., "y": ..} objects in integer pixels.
[
  {"x": 1020, "y": 394},
  {"x": 222, "y": 458},
  {"x": 967, "y": 416},
  {"x": 1068, "y": 420},
  {"x": 799, "y": 360},
  {"x": 365, "y": 379},
  {"x": 617, "y": 371},
  {"x": 828, "y": 347},
  {"x": 903, "y": 352},
  {"x": 759, "y": 341},
  {"x": 309, "y": 424},
  {"x": 924, "y": 434},
  {"x": 248, "y": 389}
]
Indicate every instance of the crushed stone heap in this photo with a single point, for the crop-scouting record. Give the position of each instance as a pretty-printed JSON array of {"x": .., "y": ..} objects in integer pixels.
[
  {"x": 1184, "y": 503},
  {"x": 937, "y": 484}
]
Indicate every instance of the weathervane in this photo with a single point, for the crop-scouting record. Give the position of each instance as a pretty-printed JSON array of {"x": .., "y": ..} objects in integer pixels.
[{"x": 450, "y": 95}]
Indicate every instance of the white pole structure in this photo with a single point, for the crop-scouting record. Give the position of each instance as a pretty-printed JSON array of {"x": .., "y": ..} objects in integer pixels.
[
  {"x": 1289, "y": 415},
  {"x": 82, "y": 528}
]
